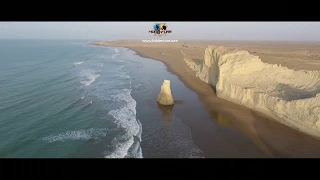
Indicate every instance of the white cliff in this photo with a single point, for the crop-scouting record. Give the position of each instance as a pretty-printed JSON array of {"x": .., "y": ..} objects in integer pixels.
[
  {"x": 292, "y": 97},
  {"x": 165, "y": 96}
]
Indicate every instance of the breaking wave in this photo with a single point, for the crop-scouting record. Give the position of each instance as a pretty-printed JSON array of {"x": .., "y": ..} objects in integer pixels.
[
  {"x": 83, "y": 134},
  {"x": 78, "y": 63},
  {"x": 116, "y": 54},
  {"x": 127, "y": 145},
  {"x": 88, "y": 77}
]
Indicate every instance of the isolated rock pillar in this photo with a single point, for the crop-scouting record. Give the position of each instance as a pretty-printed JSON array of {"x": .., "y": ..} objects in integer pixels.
[{"x": 165, "y": 96}]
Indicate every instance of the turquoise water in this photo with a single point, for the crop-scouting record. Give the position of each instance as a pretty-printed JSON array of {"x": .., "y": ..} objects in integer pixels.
[{"x": 72, "y": 99}]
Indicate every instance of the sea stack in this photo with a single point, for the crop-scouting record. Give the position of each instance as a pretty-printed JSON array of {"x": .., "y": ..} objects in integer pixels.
[{"x": 165, "y": 96}]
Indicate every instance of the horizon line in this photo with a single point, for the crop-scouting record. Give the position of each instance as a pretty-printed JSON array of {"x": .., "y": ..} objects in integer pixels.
[{"x": 229, "y": 40}]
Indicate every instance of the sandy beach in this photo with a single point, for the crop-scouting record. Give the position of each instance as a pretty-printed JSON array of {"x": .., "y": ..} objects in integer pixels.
[{"x": 273, "y": 138}]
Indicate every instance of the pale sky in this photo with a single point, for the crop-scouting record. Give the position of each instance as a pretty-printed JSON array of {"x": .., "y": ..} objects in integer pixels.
[{"x": 281, "y": 31}]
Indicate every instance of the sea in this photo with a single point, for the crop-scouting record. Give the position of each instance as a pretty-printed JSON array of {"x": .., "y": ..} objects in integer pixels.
[{"x": 72, "y": 99}]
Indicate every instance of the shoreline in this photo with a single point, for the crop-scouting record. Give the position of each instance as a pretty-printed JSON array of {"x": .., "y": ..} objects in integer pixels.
[
  {"x": 261, "y": 129},
  {"x": 202, "y": 139}
]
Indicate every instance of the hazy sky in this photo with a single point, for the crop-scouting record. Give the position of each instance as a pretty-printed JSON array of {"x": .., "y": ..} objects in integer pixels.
[{"x": 288, "y": 31}]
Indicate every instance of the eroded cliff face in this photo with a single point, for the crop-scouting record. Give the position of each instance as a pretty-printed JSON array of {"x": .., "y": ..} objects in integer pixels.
[{"x": 291, "y": 97}]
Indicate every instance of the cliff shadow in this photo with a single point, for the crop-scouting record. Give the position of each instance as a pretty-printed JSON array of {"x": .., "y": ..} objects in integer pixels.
[
  {"x": 197, "y": 61},
  {"x": 214, "y": 74},
  {"x": 213, "y": 89},
  {"x": 283, "y": 141}
]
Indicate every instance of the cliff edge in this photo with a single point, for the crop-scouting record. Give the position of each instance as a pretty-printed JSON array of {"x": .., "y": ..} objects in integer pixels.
[{"x": 292, "y": 97}]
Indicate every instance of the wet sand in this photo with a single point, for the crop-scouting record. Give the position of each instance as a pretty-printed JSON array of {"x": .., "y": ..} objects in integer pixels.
[{"x": 266, "y": 137}]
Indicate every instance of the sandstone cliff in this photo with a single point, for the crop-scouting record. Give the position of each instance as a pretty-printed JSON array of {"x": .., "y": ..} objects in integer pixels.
[{"x": 291, "y": 97}]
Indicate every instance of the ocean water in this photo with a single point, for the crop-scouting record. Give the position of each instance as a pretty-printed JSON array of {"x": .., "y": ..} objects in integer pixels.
[{"x": 67, "y": 98}]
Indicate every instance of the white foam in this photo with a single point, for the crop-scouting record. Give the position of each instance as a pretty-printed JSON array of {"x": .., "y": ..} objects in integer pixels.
[
  {"x": 125, "y": 118},
  {"x": 89, "y": 77},
  {"x": 136, "y": 151},
  {"x": 78, "y": 63},
  {"x": 125, "y": 76},
  {"x": 83, "y": 134},
  {"x": 121, "y": 149},
  {"x": 117, "y": 53},
  {"x": 138, "y": 86},
  {"x": 125, "y": 146},
  {"x": 101, "y": 64},
  {"x": 104, "y": 94},
  {"x": 114, "y": 56},
  {"x": 102, "y": 56}
]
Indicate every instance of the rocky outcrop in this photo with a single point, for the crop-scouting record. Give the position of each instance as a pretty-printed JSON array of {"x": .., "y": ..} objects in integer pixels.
[
  {"x": 292, "y": 97},
  {"x": 165, "y": 96}
]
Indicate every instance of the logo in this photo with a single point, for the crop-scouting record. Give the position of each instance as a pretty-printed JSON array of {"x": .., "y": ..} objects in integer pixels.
[{"x": 160, "y": 29}]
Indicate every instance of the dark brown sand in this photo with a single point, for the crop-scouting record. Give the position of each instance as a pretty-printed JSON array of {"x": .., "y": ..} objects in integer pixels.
[{"x": 266, "y": 137}]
